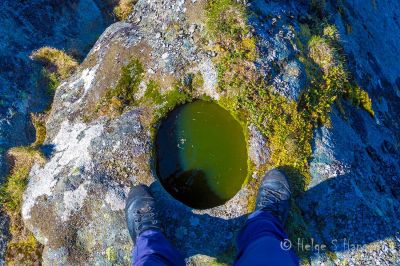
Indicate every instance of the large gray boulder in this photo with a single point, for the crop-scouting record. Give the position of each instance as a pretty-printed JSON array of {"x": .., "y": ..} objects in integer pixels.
[{"x": 74, "y": 204}]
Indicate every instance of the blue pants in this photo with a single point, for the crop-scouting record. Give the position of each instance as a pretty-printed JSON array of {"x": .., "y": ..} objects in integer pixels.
[{"x": 259, "y": 243}]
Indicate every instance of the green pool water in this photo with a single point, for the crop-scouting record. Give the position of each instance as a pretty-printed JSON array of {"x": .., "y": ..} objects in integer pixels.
[{"x": 201, "y": 154}]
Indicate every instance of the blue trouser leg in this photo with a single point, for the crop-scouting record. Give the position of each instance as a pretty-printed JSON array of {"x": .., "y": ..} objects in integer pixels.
[
  {"x": 152, "y": 248},
  {"x": 259, "y": 242}
]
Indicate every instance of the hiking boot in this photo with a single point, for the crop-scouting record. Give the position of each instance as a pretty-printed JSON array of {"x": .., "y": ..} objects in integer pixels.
[
  {"x": 141, "y": 212},
  {"x": 274, "y": 194}
]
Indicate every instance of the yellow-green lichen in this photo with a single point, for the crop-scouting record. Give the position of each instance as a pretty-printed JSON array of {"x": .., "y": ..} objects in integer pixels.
[
  {"x": 111, "y": 254},
  {"x": 40, "y": 129},
  {"x": 124, "y": 9},
  {"x": 57, "y": 65},
  {"x": 198, "y": 81},
  {"x": 330, "y": 82}
]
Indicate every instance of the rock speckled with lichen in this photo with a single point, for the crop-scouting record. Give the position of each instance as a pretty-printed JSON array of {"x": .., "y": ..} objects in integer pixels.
[
  {"x": 26, "y": 26},
  {"x": 91, "y": 165},
  {"x": 74, "y": 203}
]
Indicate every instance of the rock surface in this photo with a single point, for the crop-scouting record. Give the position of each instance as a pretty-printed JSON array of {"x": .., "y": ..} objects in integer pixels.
[
  {"x": 258, "y": 147},
  {"x": 354, "y": 192},
  {"x": 274, "y": 22},
  {"x": 25, "y": 26},
  {"x": 91, "y": 166}
]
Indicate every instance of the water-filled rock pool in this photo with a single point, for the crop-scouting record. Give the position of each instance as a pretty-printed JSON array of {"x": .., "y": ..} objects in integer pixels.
[{"x": 201, "y": 154}]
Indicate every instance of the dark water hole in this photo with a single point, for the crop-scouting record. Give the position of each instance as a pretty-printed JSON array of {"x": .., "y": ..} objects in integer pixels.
[{"x": 201, "y": 154}]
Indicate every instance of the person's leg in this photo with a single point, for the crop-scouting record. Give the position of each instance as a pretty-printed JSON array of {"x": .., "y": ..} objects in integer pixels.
[
  {"x": 151, "y": 246},
  {"x": 261, "y": 241}
]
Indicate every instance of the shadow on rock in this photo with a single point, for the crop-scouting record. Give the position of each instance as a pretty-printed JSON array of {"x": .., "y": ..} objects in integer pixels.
[
  {"x": 343, "y": 217},
  {"x": 354, "y": 193},
  {"x": 335, "y": 212},
  {"x": 47, "y": 150},
  {"x": 195, "y": 234}
]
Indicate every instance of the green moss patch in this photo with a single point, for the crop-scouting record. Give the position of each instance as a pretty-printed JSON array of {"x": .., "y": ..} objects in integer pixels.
[
  {"x": 329, "y": 81},
  {"x": 123, "y": 94}
]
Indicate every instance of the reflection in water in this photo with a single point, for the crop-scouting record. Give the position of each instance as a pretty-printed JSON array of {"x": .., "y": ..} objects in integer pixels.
[
  {"x": 201, "y": 154},
  {"x": 191, "y": 187}
]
